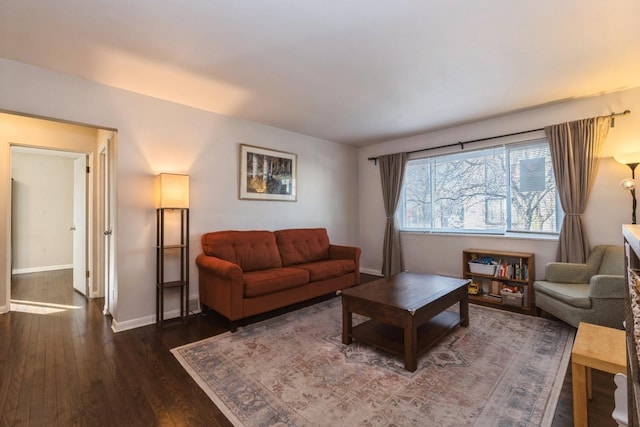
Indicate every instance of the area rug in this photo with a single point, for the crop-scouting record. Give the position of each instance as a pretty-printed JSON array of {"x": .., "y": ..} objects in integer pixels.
[{"x": 505, "y": 369}]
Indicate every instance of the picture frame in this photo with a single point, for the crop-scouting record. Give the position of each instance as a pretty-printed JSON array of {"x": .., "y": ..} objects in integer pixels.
[{"x": 267, "y": 174}]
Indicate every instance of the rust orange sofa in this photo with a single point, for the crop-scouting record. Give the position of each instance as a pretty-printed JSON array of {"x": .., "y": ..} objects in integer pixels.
[{"x": 243, "y": 273}]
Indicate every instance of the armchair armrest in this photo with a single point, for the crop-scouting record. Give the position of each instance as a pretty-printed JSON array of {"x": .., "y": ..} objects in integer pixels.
[
  {"x": 607, "y": 286},
  {"x": 347, "y": 252},
  {"x": 567, "y": 272},
  {"x": 220, "y": 286}
]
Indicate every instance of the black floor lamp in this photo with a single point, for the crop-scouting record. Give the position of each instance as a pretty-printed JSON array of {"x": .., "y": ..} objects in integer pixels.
[
  {"x": 173, "y": 197},
  {"x": 632, "y": 160}
]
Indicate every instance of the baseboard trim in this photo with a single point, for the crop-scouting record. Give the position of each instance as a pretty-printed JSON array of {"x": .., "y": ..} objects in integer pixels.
[
  {"x": 371, "y": 271},
  {"x": 17, "y": 271},
  {"x": 150, "y": 320},
  {"x": 132, "y": 324}
]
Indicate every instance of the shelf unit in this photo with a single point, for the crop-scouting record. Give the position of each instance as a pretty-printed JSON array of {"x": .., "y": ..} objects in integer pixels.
[
  {"x": 182, "y": 249},
  {"x": 632, "y": 274},
  {"x": 521, "y": 277}
]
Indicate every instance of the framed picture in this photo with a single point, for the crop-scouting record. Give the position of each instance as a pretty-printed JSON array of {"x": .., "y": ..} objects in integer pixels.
[{"x": 267, "y": 174}]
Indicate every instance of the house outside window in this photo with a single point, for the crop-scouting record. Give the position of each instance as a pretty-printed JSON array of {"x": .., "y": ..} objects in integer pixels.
[{"x": 496, "y": 190}]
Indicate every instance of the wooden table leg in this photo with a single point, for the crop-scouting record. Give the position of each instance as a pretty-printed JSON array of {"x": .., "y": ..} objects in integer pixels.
[
  {"x": 464, "y": 310},
  {"x": 347, "y": 318},
  {"x": 579, "y": 383},
  {"x": 410, "y": 344}
]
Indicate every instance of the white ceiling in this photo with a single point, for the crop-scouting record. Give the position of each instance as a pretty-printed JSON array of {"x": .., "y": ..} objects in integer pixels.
[{"x": 352, "y": 71}]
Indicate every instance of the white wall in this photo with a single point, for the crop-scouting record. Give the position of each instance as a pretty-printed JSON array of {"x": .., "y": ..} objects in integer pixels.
[
  {"x": 156, "y": 136},
  {"x": 609, "y": 206},
  {"x": 42, "y": 212}
]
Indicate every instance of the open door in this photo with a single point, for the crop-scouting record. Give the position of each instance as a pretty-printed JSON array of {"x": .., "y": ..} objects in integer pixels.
[
  {"x": 106, "y": 223},
  {"x": 79, "y": 227}
]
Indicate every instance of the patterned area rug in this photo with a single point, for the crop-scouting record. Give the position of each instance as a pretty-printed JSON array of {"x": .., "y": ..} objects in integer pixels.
[{"x": 505, "y": 369}]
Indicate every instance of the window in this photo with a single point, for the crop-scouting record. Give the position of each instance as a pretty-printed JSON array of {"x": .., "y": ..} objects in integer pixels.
[{"x": 496, "y": 190}]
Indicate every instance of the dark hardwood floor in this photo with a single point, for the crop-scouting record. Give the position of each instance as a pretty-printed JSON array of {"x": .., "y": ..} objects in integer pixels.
[{"x": 68, "y": 368}]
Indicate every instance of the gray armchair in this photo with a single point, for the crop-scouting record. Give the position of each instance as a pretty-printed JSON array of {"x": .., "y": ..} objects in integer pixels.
[{"x": 592, "y": 292}]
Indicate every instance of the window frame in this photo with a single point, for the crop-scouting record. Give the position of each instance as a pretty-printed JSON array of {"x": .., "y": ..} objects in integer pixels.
[{"x": 508, "y": 230}]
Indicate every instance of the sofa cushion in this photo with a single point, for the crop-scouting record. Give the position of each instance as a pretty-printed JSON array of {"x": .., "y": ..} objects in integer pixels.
[
  {"x": 323, "y": 270},
  {"x": 264, "y": 282},
  {"x": 573, "y": 294},
  {"x": 251, "y": 250},
  {"x": 302, "y": 245}
]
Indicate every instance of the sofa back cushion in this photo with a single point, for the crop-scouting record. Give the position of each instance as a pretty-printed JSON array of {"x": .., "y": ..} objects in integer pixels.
[
  {"x": 301, "y": 245},
  {"x": 251, "y": 250}
]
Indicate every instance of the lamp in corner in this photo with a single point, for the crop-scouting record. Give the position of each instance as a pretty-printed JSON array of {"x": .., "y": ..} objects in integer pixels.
[
  {"x": 632, "y": 160},
  {"x": 172, "y": 195},
  {"x": 173, "y": 191}
]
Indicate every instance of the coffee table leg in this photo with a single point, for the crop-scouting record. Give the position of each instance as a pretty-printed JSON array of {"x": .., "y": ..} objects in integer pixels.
[
  {"x": 346, "y": 324},
  {"x": 410, "y": 344},
  {"x": 464, "y": 310}
]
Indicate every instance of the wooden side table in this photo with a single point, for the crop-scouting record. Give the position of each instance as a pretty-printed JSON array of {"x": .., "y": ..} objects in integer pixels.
[{"x": 596, "y": 347}]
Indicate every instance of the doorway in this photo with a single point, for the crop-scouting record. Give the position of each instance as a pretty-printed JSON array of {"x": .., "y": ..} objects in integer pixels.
[
  {"x": 90, "y": 145},
  {"x": 49, "y": 213}
]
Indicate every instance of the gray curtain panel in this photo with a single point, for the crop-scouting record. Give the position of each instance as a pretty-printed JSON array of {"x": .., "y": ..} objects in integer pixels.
[
  {"x": 575, "y": 149},
  {"x": 392, "y": 168}
]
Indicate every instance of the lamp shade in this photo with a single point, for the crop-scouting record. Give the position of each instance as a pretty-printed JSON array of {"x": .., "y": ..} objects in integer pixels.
[
  {"x": 628, "y": 158},
  {"x": 173, "y": 191},
  {"x": 628, "y": 184}
]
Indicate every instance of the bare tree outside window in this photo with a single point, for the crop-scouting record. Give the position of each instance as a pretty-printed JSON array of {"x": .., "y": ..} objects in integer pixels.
[
  {"x": 534, "y": 201},
  {"x": 500, "y": 189},
  {"x": 417, "y": 195}
]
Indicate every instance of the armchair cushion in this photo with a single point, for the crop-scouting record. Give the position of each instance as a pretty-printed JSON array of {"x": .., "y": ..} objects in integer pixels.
[
  {"x": 612, "y": 261},
  {"x": 574, "y": 294},
  {"x": 566, "y": 272}
]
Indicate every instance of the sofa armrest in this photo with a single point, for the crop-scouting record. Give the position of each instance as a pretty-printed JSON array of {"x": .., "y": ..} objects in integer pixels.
[
  {"x": 567, "y": 272},
  {"x": 221, "y": 286},
  {"x": 218, "y": 267},
  {"x": 347, "y": 252},
  {"x": 607, "y": 286},
  {"x": 344, "y": 252}
]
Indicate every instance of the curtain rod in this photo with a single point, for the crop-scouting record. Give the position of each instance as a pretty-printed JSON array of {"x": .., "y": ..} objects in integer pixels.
[{"x": 462, "y": 143}]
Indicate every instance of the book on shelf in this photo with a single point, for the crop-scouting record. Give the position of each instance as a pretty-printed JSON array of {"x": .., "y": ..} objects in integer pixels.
[{"x": 517, "y": 271}]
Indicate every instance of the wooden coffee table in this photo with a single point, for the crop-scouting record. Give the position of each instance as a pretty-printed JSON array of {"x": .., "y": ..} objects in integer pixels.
[{"x": 407, "y": 312}]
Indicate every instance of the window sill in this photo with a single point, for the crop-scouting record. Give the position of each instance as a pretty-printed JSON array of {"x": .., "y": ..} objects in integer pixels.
[{"x": 508, "y": 235}]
